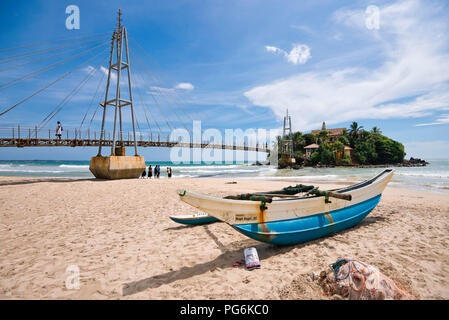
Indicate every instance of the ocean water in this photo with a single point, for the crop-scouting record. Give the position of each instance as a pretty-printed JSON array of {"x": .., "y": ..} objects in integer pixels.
[{"x": 433, "y": 177}]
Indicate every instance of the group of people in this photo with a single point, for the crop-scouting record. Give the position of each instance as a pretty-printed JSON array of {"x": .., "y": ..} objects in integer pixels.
[{"x": 157, "y": 172}]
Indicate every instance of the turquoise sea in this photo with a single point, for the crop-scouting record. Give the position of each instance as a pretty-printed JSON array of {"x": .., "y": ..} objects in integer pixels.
[{"x": 433, "y": 177}]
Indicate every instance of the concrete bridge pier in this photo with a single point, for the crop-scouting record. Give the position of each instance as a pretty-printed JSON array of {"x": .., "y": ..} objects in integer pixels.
[{"x": 117, "y": 167}]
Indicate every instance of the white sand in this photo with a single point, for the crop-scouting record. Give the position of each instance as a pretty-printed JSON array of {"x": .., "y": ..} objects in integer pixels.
[{"x": 119, "y": 235}]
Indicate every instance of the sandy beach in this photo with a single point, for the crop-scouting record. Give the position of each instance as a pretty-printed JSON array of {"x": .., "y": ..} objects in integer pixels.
[{"x": 120, "y": 237}]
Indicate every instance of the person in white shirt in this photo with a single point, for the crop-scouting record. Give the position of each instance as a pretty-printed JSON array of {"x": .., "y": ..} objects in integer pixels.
[{"x": 59, "y": 130}]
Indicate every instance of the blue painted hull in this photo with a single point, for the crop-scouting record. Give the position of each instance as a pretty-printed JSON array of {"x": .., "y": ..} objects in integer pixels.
[
  {"x": 195, "y": 221},
  {"x": 293, "y": 231}
]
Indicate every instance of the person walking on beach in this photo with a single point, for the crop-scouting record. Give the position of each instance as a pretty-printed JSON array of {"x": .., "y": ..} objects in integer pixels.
[
  {"x": 150, "y": 172},
  {"x": 158, "y": 171},
  {"x": 155, "y": 171},
  {"x": 169, "y": 172},
  {"x": 59, "y": 130},
  {"x": 144, "y": 173}
]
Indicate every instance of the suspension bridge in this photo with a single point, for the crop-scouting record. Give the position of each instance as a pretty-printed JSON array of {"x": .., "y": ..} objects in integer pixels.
[
  {"x": 160, "y": 106},
  {"x": 73, "y": 137}
]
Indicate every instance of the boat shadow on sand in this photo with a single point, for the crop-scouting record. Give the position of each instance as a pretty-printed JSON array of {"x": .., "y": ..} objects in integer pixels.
[{"x": 230, "y": 253}]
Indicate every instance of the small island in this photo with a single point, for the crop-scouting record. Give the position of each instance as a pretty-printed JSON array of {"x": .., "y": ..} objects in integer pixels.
[{"x": 342, "y": 147}]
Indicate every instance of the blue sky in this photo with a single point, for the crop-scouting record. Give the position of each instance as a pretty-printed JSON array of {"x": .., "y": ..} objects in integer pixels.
[{"x": 240, "y": 64}]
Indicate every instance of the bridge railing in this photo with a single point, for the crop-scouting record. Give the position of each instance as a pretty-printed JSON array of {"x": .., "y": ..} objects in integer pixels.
[
  {"x": 34, "y": 136},
  {"x": 71, "y": 133}
]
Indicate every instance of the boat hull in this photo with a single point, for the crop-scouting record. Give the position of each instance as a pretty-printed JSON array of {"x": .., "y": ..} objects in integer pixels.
[
  {"x": 293, "y": 231},
  {"x": 290, "y": 221}
]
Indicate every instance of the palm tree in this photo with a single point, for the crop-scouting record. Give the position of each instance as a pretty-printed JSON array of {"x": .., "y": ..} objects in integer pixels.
[
  {"x": 376, "y": 130},
  {"x": 354, "y": 129},
  {"x": 322, "y": 136},
  {"x": 298, "y": 141}
]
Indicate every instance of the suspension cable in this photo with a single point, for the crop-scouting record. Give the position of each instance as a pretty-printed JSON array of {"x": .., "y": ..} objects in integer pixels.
[
  {"x": 33, "y": 53},
  {"x": 143, "y": 103},
  {"x": 53, "y": 41},
  {"x": 96, "y": 109},
  {"x": 46, "y": 58},
  {"x": 155, "y": 101},
  {"x": 50, "y": 84},
  {"x": 145, "y": 107},
  {"x": 168, "y": 103},
  {"x": 92, "y": 100},
  {"x": 153, "y": 73},
  {"x": 47, "y": 68},
  {"x": 67, "y": 99}
]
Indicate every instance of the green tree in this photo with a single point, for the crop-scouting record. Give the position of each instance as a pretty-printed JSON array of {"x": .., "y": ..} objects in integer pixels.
[
  {"x": 338, "y": 146},
  {"x": 376, "y": 130},
  {"x": 354, "y": 129},
  {"x": 310, "y": 138},
  {"x": 322, "y": 136},
  {"x": 323, "y": 155},
  {"x": 346, "y": 160},
  {"x": 388, "y": 151},
  {"x": 344, "y": 139},
  {"x": 369, "y": 147},
  {"x": 365, "y": 152},
  {"x": 299, "y": 142}
]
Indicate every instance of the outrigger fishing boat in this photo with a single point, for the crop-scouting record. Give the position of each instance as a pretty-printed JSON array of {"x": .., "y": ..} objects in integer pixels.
[{"x": 283, "y": 218}]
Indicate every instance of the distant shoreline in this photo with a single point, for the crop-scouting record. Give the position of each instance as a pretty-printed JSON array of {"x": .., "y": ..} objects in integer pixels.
[{"x": 412, "y": 162}]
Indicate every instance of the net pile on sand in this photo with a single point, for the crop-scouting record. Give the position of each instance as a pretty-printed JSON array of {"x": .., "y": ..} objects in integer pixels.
[{"x": 355, "y": 280}]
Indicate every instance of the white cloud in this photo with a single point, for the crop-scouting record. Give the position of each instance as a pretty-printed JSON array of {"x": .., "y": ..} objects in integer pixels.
[
  {"x": 106, "y": 71},
  {"x": 88, "y": 69},
  {"x": 182, "y": 86},
  {"x": 303, "y": 28},
  {"x": 274, "y": 49},
  {"x": 411, "y": 81},
  {"x": 185, "y": 86},
  {"x": 299, "y": 54},
  {"x": 444, "y": 119},
  {"x": 160, "y": 89}
]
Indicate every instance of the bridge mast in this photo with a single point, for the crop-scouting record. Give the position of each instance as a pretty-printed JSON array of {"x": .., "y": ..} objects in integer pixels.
[
  {"x": 118, "y": 165},
  {"x": 287, "y": 141},
  {"x": 118, "y": 44}
]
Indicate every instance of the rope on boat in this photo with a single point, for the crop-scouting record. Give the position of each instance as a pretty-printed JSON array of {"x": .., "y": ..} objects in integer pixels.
[
  {"x": 262, "y": 204},
  {"x": 267, "y": 197},
  {"x": 251, "y": 197},
  {"x": 328, "y": 194},
  {"x": 292, "y": 190}
]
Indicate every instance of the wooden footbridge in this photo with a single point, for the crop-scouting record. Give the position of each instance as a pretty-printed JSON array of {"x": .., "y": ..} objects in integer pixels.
[{"x": 73, "y": 137}]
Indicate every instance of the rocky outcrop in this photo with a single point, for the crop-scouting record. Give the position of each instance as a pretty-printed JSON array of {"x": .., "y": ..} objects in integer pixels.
[{"x": 414, "y": 162}]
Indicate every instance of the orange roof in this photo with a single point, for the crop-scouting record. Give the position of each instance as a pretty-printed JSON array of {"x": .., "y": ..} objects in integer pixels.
[
  {"x": 332, "y": 132},
  {"x": 312, "y": 146}
]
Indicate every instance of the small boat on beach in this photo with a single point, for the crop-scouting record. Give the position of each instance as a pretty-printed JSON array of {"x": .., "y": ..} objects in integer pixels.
[
  {"x": 283, "y": 218},
  {"x": 194, "y": 219}
]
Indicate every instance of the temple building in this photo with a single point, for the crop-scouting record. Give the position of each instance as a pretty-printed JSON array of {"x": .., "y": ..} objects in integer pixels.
[
  {"x": 311, "y": 148},
  {"x": 332, "y": 134}
]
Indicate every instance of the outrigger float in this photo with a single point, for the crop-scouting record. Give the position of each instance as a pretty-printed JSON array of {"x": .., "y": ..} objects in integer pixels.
[
  {"x": 194, "y": 219},
  {"x": 283, "y": 218}
]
